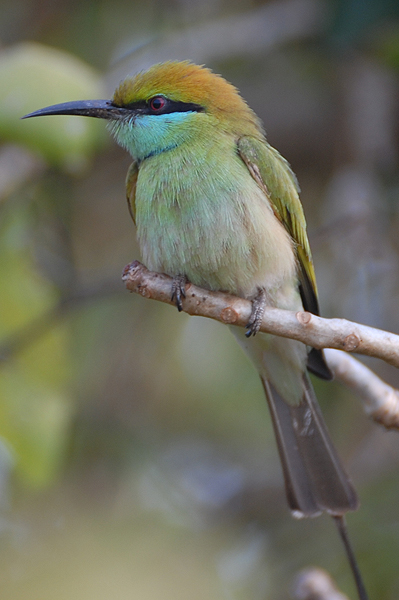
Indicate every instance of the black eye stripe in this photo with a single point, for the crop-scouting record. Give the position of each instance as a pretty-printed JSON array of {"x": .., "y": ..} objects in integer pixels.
[{"x": 171, "y": 106}]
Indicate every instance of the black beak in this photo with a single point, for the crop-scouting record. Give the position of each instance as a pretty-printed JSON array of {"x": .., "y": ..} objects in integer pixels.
[{"x": 101, "y": 109}]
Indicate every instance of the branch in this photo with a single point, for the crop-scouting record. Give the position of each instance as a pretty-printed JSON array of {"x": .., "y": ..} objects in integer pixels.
[
  {"x": 381, "y": 401},
  {"x": 315, "y": 584}
]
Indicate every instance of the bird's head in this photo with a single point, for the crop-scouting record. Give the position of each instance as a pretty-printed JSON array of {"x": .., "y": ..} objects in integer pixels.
[{"x": 169, "y": 104}]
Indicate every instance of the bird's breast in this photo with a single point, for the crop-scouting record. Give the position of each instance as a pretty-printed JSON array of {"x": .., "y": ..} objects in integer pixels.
[{"x": 201, "y": 214}]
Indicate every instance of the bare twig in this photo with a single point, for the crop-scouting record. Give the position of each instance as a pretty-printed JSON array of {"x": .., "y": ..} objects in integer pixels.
[
  {"x": 381, "y": 401},
  {"x": 315, "y": 584},
  {"x": 303, "y": 326}
]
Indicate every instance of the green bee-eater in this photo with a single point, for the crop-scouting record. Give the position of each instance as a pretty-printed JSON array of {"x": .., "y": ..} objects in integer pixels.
[{"x": 216, "y": 205}]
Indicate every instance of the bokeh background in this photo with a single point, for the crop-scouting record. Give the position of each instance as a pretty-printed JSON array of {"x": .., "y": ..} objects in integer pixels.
[{"x": 136, "y": 453}]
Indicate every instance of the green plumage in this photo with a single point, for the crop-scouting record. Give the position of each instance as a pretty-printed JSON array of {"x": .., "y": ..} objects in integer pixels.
[
  {"x": 213, "y": 202},
  {"x": 222, "y": 208}
]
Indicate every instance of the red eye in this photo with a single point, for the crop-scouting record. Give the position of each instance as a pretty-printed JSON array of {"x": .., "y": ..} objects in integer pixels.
[{"x": 157, "y": 103}]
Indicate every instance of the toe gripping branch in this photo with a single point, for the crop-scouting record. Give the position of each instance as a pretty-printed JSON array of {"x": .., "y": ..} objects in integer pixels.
[
  {"x": 179, "y": 290},
  {"x": 258, "y": 309}
]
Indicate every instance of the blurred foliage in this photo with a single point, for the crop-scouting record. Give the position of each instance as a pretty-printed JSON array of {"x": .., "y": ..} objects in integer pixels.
[
  {"x": 136, "y": 453},
  {"x": 35, "y": 405},
  {"x": 356, "y": 19},
  {"x": 49, "y": 76}
]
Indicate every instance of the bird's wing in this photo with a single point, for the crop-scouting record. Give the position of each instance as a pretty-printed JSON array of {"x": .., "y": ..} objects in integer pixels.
[
  {"x": 131, "y": 180},
  {"x": 274, "y": 176}
]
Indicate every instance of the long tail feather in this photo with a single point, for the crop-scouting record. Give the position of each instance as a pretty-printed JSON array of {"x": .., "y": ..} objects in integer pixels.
[
  {"x": 315, "y": 479},
  {"x": 341, "y": 525}
]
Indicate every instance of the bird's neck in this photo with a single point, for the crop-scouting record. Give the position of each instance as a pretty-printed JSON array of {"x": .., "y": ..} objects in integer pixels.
[{"x": 149, "y": 135}]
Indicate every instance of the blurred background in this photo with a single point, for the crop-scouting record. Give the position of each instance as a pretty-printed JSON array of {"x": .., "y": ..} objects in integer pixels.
[{"x": 137, "y": 458}]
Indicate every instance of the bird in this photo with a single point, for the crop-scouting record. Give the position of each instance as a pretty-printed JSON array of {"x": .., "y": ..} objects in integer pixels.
[{"x": 216, "y": 205}]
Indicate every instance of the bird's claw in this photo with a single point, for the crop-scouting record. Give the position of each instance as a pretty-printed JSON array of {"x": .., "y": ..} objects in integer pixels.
[
  {"x": 258, "y": 308},
  {"x": 179, "y": 290}
]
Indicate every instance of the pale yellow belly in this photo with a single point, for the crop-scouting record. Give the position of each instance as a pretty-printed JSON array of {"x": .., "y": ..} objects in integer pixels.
[{"x": 233, "y": 243}]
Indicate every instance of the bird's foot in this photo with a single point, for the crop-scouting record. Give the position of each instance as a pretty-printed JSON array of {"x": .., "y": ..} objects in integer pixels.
[
  {"x": 258, "y": 308},
  {"x": 179, "y": 290}
]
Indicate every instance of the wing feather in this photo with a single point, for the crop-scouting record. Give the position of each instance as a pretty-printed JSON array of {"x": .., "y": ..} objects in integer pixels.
[
  {"x": 274, "y": 175},
  {"x": 131, "y": 181}
]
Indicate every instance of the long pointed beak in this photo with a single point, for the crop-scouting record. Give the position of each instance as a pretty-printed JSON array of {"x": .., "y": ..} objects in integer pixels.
[{"x": 101, "y": 109}]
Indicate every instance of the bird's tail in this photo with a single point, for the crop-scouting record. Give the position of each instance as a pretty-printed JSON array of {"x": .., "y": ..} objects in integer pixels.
[{"x": 315, "y": 480}]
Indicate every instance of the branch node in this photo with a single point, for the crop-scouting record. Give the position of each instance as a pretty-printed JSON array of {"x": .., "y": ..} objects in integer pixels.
[
  {"x": 143, "y": 291},
  {"x": 132, "y": 271},
  {"x": 304, "y": 317},
  {"x": 351, "y": 342},
  {"x": 229, "y": 315}
]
